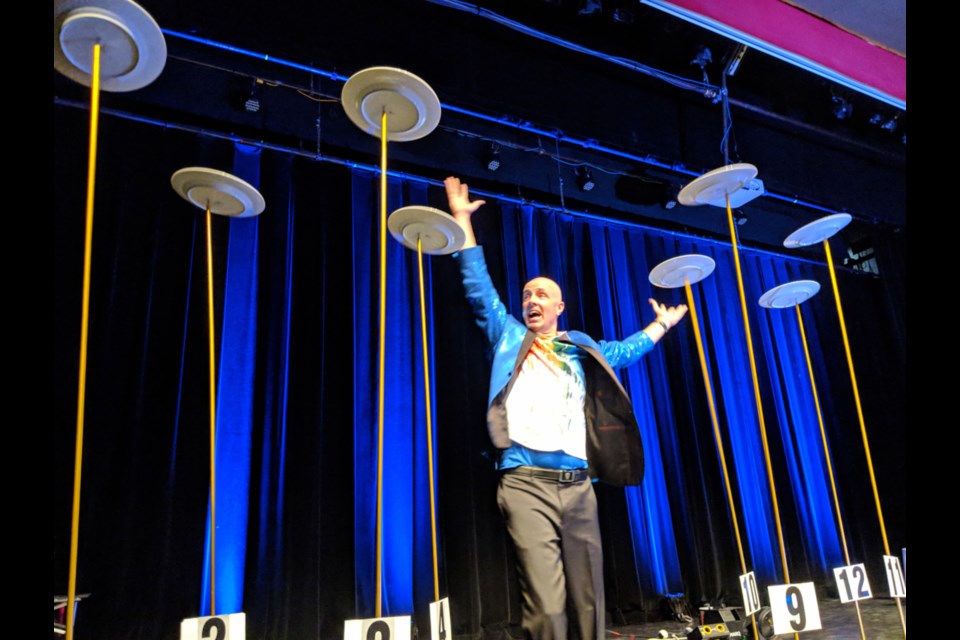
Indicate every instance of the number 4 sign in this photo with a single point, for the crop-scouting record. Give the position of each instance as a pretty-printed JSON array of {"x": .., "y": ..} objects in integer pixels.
[{"x": 440, "y": 620}]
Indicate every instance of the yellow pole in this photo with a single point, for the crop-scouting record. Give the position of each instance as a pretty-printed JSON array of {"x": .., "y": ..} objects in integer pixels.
[
  {"x": 826, "y": 453},
  {"x": 863, "y": 427},
  {"x": 426, "y": 387},
  {"x": 716, "y": 428},
  {"x": 383, "y": 331},
  {"x": 213, "y": 417},
  {"x": 756, "y": 395},
  {"x": 84, "y": 333}
]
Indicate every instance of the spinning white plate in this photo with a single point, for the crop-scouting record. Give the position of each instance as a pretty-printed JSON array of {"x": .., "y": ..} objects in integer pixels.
[
  {"x": 438, "y": 232},
  {"x": 225, "y": 194}
]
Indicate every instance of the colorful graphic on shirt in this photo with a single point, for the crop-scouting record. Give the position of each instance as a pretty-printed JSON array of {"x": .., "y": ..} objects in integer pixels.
[{"x": 545, "y": 405}]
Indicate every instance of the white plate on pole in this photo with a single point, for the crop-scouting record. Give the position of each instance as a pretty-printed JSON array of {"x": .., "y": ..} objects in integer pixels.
[
  {"x": 413, "y": 109},
  {"x": 817, "y": 231},
  {"x": 691, "y": 268},
  {"x": 225, "y": 194},
  {"x": 715, "y": 186},
  {"x": 132, "y": 49},
  {"x": 438, "y": 232},
  {"x": 789, "y": 294}
]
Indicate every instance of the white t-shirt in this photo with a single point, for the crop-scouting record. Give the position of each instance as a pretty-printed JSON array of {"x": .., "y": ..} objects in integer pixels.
[{"x": 545, "y": 405}]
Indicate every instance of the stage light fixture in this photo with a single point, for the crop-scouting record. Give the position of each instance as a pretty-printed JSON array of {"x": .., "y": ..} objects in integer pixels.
[
  {"x": 702, "y": 58},
  {"x": 252, "y": 103},
  {"x": 739, "y": 217},
  {"x": 842, "y": 109},
  {"x": 887, "y": 124},
  {"x": 491, "y": 157},
  {"x": 585, "y": 178},
  {"x": 590, "y": 7},
  {"x": 669, "y": 198}
]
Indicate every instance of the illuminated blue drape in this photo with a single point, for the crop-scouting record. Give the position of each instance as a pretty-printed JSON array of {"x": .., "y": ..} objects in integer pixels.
[
  {"x": 787, "y": 405},
  {"x": 623, "y": 292},
  {"x": 407, "y": 574},
  {"x": 235, "y": 385}
]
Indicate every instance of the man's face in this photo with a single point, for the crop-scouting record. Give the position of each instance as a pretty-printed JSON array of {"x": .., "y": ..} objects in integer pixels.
[{"x": 542, "y": 305}]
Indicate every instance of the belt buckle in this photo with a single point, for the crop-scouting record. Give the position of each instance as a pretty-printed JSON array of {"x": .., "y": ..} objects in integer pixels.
[{"x": 567, "y": 476}]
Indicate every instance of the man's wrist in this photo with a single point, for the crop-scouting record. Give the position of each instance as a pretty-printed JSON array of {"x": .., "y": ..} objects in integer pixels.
[{"x": 664, "y": 325}]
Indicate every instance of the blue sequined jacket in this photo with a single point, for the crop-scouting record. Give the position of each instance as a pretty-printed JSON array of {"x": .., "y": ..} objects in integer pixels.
[{"x": 614, "y": 448}]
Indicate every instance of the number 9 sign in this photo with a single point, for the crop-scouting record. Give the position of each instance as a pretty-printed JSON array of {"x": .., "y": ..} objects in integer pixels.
[{"x": 794, "y": 608}]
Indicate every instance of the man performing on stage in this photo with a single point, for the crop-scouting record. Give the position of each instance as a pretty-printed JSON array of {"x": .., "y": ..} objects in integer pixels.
[{"x": 559, "y": 417}]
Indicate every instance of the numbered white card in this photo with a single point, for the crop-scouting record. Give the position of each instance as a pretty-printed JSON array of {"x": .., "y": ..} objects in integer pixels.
[
  {"x": 852, "y": 583},
  {"x": 229, "y": 627},
  {"x": 440, "y": 628},
  {"x": 393, "y": 628},
  {"x": 750, "y": 593},
  {"x": 794, "y": 607},
  {"x": 895, "y": 581}
]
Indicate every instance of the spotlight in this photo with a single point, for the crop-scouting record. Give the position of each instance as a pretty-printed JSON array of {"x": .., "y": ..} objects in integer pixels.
[
  {"x": 735, "y": 59},
  {"x": 702, "y": 58},
  {"x": 585, "y": 178},
  {"x": 252, "y": 104},
  {"x": 842, "y": 109},
  {"x": 623, "y": 16},
  {"x": 590, "y": 7},
  {"x": 491, "y": 157},
  {"x": 887, "y": 124},
  {"x": 669, "y": 198}
]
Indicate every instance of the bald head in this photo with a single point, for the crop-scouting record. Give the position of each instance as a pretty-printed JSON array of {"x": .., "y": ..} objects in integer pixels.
[{"x": 542, "y": 306}]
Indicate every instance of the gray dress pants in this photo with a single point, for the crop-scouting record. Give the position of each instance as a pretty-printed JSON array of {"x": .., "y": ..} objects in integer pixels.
[{"x": 556, "y": 534}]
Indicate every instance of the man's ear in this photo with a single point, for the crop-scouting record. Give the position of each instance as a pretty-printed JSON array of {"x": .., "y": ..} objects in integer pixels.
[{"x": 560, "y": 307}]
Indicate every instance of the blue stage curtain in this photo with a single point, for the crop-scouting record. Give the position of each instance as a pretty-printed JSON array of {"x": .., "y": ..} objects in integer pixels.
[
  {"x": 236, "y": 355},
  {"x": 406, "y": 565},
  {"x": 297, "y": 295}
]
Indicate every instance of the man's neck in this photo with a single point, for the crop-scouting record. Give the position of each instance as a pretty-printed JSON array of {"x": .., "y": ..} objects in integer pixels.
[{"x": 549, "y": 335}]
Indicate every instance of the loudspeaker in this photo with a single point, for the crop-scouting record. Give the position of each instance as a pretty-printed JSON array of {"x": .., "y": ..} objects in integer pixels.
[
  {"x": 732, "y": 618},
  {"x": 718, "y": 630}
]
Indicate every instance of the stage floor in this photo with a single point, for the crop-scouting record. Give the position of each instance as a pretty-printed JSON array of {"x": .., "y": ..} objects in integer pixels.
[{"x": 881, "y": 621}]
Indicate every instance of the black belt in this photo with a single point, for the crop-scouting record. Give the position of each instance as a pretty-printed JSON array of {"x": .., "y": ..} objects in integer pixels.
[{"x": 563, "y": 476}]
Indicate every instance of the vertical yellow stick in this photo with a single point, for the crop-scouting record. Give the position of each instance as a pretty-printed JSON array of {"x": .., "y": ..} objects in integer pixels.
[
  {"x": 756, "y": 395},
  {"x": 383, "y": 331},
  {"x": 826, "y": 453},
  {"x": 863, "y": 427},
  {"x": 426, "y": 387},
  {"x": 213, "y": 417},
  {"x": 84, "y": 332},
  {"x": 716, "y": 428}
]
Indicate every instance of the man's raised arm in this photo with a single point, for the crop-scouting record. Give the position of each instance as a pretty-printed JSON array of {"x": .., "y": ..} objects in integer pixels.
[{"x": 458, "y": 197}]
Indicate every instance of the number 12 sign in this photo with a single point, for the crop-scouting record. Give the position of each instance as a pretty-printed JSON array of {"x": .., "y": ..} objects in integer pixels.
[{"x": 852, "y": 583}]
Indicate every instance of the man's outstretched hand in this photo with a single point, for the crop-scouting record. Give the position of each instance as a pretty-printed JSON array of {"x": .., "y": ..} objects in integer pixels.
[
  {"x": 668, "y": 316},
  {"x": 458, "y": 199}
]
